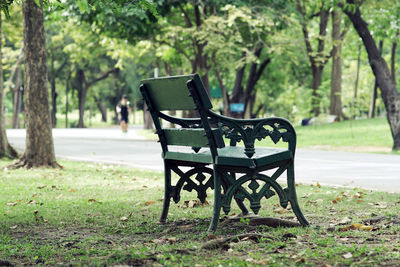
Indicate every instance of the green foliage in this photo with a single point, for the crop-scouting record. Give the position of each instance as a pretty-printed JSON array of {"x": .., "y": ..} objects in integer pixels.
[
  {"x": 5, "y": 6},
  {"x": 83, "y": 5},
  {"x": 139, "y": 36}
]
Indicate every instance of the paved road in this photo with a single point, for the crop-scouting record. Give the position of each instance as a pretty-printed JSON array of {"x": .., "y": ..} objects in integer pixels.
[{"x": 371, "y": 171}]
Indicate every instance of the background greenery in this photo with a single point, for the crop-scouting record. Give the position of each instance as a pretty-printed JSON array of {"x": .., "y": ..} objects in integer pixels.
[{"x": 111, "y": 35}]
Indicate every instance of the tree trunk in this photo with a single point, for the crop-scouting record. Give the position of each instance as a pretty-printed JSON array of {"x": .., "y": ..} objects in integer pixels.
[
  {"x": 372, "y": 106},
  {"x": 102, "y": 108},
  {"x": 53, "y": 92},
  {"x": 357, "y": 72},
  {"x": 316, "y": 82},
  {"x": 238, "y": 88},
  {"x": 17, "y": 94},
  {"x": 18, "y": 90},
  {"x": 53, "y": 102},
  {"x": 336, "y": 81},
  {"x": 246, "y": 95},
  {"x": 225, "y": 97},
  {"x": 390, "y": 96},
  {"x": 82, "y": 92},
  {"x": 393, "y": 62},
  {"x": 134, "y": 110},
  {"x": 147, "y": 120},
  {"x": 5, "y": 148},
  {"x": 83, "y": 87},
  {"x": 39, "y": 150},
  {"x": 317, "y": 58},
  {"x": 67, "y": 85}
]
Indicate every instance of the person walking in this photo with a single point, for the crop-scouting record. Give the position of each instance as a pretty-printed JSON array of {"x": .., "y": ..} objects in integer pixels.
[{"x": 123, "y": 109}]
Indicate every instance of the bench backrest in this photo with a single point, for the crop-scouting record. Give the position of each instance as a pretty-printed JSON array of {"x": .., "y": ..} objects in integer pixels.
[
  {"x": 171, "y": 93},
  {"x": 175, "y": 93}
]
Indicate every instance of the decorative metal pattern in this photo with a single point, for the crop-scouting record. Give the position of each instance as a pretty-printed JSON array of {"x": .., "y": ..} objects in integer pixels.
[
  {"x": 186, "y": 182},
  {"x": 238, "y": 191},
  {"x": 249, "y": 131}
]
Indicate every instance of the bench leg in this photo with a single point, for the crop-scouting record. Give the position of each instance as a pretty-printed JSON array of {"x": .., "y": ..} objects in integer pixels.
[
  {"x": 167, "y": 193},
  {"x": 239, "y": 202},
  {"x": 293, "y": 198},
  {"x": 217, "y": 201}
]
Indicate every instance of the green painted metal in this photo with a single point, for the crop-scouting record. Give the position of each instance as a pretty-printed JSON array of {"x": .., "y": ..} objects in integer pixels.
[
  {"x": 234, "y": 156},
  {"x": 171, "y": 93},
  {"x": 191, "y": 137},
  {"x": 233, "y": 172}
]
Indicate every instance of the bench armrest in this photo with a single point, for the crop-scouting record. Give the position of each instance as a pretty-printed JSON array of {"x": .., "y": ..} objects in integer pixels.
[{"x": 250, "y": 130}]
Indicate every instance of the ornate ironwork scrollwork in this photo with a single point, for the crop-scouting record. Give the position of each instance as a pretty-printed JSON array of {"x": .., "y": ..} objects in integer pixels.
[
  {"x": 187, "y": 183},
  {"x": 250, "y": 132},
  {"x": 238, "y": 191}
]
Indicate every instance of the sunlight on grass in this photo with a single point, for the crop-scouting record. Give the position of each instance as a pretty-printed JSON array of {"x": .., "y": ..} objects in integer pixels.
[{"x": 106, "y": 215}]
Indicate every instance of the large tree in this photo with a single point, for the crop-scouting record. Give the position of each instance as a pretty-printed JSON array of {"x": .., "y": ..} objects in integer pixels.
[
  {"x": 318, "y": 56},
  {"x": 335, "y": 107},
  {"x": 390, "y": 95},
  {"x": 39, "y": 149}
]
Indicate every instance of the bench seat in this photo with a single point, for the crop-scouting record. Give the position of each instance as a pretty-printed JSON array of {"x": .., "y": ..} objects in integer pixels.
[{"x": 233, "y": 156}]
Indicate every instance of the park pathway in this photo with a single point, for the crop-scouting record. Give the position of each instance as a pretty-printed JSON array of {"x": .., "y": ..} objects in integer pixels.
[{"x": 110, "y": 146}]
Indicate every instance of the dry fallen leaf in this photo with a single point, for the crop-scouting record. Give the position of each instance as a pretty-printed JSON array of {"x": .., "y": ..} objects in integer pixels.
[
  {"x": 193, "y": 203},
  {"x": 381, "y": 205},
  {"x": 345, "y": 220},
  {"x": 14, "y": 227},
  {"x": 211, "y": 236},
  {"x": 355, "y": 226},
  {"x": 336, "y": 200},
  {"x": 31, "y": 202},
  {"x": 164, "y": 240},
  {"x": 281, "y": 210},
  {"x": 186, "y": 226},
  {"x": 348, "y": 255},
  {"x": 59, "y": 196},
  {"x": 123, "y": 218},
  {"x": 147, "y": 203},
  {"x": 366, "y": 227},
  {"x": 42, "y": 186},
  {"x": 92, "y": 200},
  {"x": 12, "y": 203},
  {"x": 71, "y": 190}
]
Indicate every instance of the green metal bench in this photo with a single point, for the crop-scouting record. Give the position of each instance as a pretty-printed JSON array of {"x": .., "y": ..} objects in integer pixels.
[{"x": 233, "y": 172}]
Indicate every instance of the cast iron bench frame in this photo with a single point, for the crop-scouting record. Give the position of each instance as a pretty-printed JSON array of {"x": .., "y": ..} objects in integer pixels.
[{"x": 221, "y": 163}]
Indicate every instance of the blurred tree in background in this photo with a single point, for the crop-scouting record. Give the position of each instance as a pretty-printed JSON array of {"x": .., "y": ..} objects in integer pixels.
[{"x": 296, "y": 59}]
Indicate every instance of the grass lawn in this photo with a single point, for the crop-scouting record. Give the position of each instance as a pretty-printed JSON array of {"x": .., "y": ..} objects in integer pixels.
[
  {"x": 363, "y": 135},
  {"x": 89, "y": 214}
]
